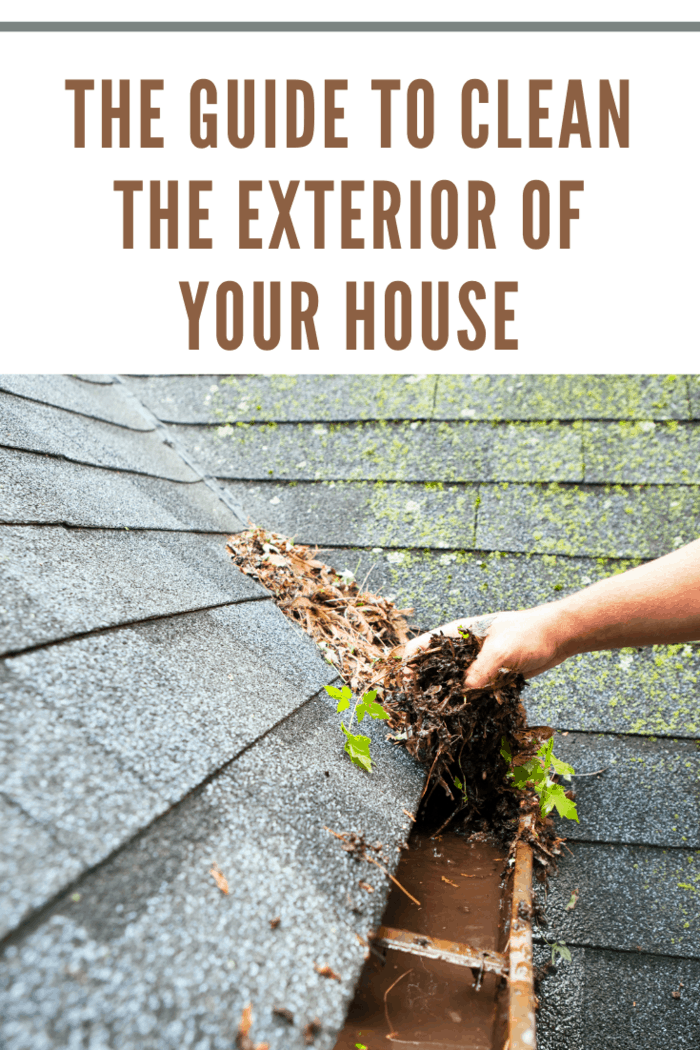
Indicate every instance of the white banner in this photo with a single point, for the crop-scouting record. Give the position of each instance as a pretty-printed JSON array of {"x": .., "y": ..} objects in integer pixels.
[{"x": 500, "y": 201}]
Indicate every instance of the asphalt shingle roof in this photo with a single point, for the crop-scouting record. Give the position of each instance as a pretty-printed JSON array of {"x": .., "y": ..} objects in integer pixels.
[
  {"x": 473, "y": 493},
  {"x": 162, "y": 716},
  {"x": 138, "y": 668}
]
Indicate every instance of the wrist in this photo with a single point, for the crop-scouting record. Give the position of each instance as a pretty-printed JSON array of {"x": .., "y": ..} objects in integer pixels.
[{"x": 562, "y": 628}]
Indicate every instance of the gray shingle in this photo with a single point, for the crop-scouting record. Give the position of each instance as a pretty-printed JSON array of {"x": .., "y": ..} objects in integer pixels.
[
  {"x": 172, "y": 699},
  {"x": 562, "y": 397},
  {"x": 40, "y": 428},
  {"x": 301, "y": 773},
  {"x": 36, "y": 488},
  {"x": 648, "y": 793},
  {"x": 645, "y": 452},
  {"x": 101, "y": 578},
  {"x": 155, "y": 946},
  {"x": 360, "y": 513},
  {"x": 155, "y": 956},
  {"x": 390, "y": 451},
  {"x": 106, "y": 402},
  {"x": 694, "y": 393},
  {"x": 616, "y": 522},
  {"x": 652, "y": 691},
  {"x": 658, "y": 909},
  {"x": 26, "y": 880},
  {"x": 192, "y": 399},
  {"x": 78, "y": 799},
  {"x": 606, "y": 1000}
]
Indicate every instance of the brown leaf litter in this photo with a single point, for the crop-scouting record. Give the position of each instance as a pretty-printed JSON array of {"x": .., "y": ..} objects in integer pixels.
[
  {"x": 353, "y": 626},
  {"x": 327, "y": 971},
  {"x": 219, "y": 878},
  {"x": 243, "y": 1040},
  {"x": 455, "y": 733}
]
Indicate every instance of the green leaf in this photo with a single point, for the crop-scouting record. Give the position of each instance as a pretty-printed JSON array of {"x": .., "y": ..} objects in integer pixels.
[
  {"x": 357, "y": 746},
  {"x": 545, "y": 752},
  {"x": 555, "y": 796},
  {"x": 369, "y": 696},
  {"x": 376, "y": 710},
  {"x": 562, "y": 768},
  {"x": 520, "y": 776},
  {"x": 559, "y": 948},
  {"x": 339, "y": 694},
  {"x": 343, "y": 705},
  {"x": 458, "y": 784},
  {"x": 506, "y": 751}
]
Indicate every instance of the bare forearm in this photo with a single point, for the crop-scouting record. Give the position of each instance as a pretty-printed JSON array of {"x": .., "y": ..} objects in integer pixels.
[{"x": 653, "y": 604}]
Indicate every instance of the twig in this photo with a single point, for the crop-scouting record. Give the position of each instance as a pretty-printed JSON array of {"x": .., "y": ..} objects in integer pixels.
[
  {"x": 396, "y": 882},
  {"x": 594, "y": 774},
  {"x": 371, "y": 860},
  {"x": 372, "y": 568},
  {"x": 389, "y": 1025}
]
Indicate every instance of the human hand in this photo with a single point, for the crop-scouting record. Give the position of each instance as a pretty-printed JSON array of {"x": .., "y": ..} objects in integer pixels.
[{"x": 529, "y": 641}]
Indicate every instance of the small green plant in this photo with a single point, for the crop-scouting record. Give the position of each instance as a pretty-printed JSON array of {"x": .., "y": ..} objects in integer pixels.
[
  {"x": 356, "y": 744},
  {"x": 559, "y": 948},
  {"x": 537, "y": 773}
]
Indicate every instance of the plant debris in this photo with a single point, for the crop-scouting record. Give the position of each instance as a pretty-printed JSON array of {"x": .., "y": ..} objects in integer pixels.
[
  {"x": 274, "y": 923},
  {"x": 243, "y": 1040},
  {"x": 219, "y": 879},
  {"x": 326, "y": 971},
  {"x": 456, "y": 734},
  {"x": 572, "y": 900},
  {"x": 284, "y": 1013},
  {"x": 311, "y": 1030},
  {"x": 355, "y": 844},
  {"x": 353, "y": 626}
]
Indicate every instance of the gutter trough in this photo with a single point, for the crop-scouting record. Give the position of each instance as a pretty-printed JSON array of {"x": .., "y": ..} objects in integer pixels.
[{"x": 432, "y": 992}]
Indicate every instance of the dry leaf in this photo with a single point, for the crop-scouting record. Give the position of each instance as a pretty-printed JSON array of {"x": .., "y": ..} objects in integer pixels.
[
  {"x": 365, "y": 886},
  {"x": 356, "y": 626},
  {"x": 326, "y": 971},
  {"x": 219, "y": 879},
  {"x": 311, "y": 1030},
  {"x": 243, "y": 1040}
]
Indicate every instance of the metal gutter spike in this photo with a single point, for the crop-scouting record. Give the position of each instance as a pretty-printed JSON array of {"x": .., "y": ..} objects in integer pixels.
[
  {"x": 521, "y": 999},
  {"x": 448, "y": 951}
]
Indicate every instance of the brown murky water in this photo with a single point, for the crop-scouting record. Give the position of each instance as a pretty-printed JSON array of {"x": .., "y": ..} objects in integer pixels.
[{"x": 434, "y": 1005}]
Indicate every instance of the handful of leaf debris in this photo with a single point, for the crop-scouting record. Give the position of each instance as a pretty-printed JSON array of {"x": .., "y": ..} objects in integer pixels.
[{"x": 475, "y": 743}]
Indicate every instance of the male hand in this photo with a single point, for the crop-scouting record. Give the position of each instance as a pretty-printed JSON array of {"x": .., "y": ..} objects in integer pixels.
[{"x": 529, "y": 641}]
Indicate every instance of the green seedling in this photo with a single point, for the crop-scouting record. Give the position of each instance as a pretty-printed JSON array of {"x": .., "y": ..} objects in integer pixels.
[
  {"x": 538, "y": 773},
  {"x": 356, "y": 744},
  {"x": 460, "y": 787},
  {"x": 559, "y": 948}
]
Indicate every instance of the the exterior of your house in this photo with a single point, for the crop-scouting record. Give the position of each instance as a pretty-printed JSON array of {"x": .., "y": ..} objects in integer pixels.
[{"x": 161, "y": 719}]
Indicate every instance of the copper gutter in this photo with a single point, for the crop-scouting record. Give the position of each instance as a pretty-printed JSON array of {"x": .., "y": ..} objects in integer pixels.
[
  {"x": 514, "y": 966},
  {"x": 521, "y": 997}
]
